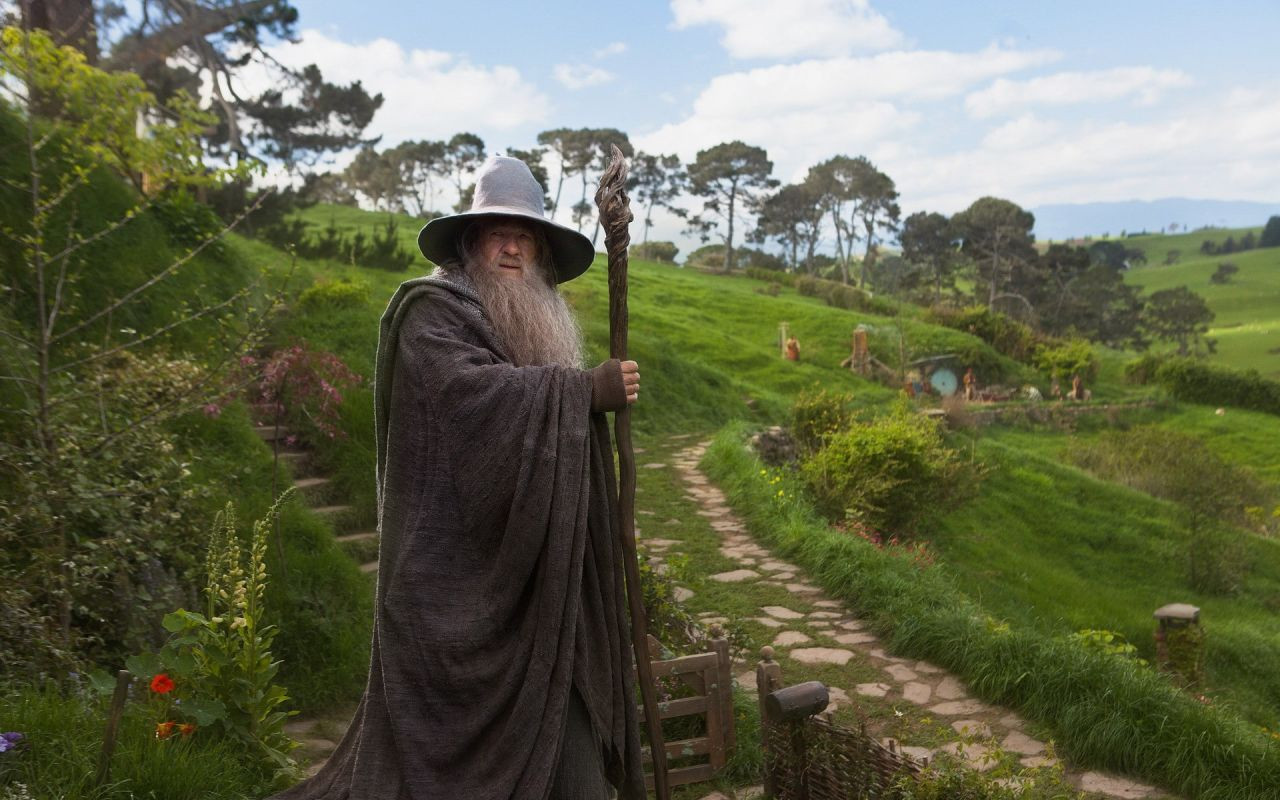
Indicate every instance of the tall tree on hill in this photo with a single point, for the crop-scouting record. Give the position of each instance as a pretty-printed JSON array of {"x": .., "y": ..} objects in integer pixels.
[
  {"x": 571, "y": 150},
  {"x": 997, "y": 236},
  {"x": 378, "y": 177},
  {"x": 793, "y": 216},
  {"x": 419, "y": 164},
  {"x": 875, "y": 206},
  {"x": 1270, "y": 233},
  {"x": 1179, "y": 315},
  {"x": 655, "y": 181},
  {"x": 729, "y": 177},
  {"x": 182, "y": 44},
  {"x": 931, "y": 241},
  {"x": 463, "y": 155},
  {"x": 832, "y": 183}
]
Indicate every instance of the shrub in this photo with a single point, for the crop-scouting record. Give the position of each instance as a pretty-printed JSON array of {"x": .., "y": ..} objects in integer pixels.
[
  {"x": 1074, "y": 357},
  {"x": 1225, "y": 272},
  {"x": 1194, "y": 381},
  {"x": 818, "y": 414},
  {"x": 1008, "y": 336},
  {"x": 655, "y": 251},
  {"x": 772, "y": 275},
  {"x": 891, "y": 473},
  {"x": 841, "y": 295},
  {"x": 342, "y": 293}
]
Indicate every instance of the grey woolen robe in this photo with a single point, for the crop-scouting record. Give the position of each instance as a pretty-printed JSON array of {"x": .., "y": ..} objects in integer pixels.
[{"x": 499, "y": 575}]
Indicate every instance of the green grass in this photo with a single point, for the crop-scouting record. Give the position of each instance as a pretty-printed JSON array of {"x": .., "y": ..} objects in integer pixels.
[
  {"x": 1105, "y": 712},
  {"x": 64, "y": 739},
  {"x": 1247, "y": 323}
]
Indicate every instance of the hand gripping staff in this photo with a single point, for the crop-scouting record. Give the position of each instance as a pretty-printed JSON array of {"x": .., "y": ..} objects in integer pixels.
[{"x": 615, "y": 215}]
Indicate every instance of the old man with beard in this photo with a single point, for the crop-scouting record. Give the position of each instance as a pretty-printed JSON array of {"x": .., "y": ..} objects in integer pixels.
[{"x": 500, "y": 662}]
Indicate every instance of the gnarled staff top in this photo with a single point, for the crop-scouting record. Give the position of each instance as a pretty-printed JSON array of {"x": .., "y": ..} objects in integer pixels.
[{"x": 615, "y": 206}]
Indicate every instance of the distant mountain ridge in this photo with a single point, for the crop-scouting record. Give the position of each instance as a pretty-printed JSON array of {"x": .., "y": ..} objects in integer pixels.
[{"x": 1073, "y": 220}]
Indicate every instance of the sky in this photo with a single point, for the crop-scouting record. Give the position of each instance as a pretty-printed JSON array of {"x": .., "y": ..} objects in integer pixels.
[{"x": 1035, "y": 102}]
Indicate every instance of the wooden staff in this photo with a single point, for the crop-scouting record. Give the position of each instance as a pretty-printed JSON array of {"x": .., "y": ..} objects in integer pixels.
[{"x": 615, "y": 215}]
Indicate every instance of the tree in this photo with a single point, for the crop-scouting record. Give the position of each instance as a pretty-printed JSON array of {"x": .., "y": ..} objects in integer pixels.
[
  {"x": 184, "y": 44},
  {"x": 931, "y": 241},
  {"x": 378, "y": 177},
  {"x": 875, "y": 206},
  {"x": 463, "y": 155},
  {"x": 832, "y": 183},
  {"x": 1226, "y": 270},
  {"x": 1179, "y": 315},
  {"x": 655, "y": 181},
  {"x": 572, "y": 151},
  {"x": 728, "y": 176},
  {"x": 996, "y": 234},
  {"x": 1271, "y": 233},
  {"x": 418, "y": 163},
  {"x": 1115, "y": 255},
  {"x": 793, "y": 216},
  {"x": 89, "y": 361}
]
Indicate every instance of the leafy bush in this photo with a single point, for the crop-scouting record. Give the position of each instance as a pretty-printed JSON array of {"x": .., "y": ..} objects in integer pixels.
[
  {"x": 891, "y": 473},
  {"x": 1197, "y": 382},
  {"x": 772, "y": 275},
  {"x": 342, "y": 293},
  {"x": 1073, "y": 357},
  {"x": 655, "y": 251},
  {"x": 818, "y": 414},
  {"x": 840, "y": 295},
  {"x": 1008, "y": 336}
]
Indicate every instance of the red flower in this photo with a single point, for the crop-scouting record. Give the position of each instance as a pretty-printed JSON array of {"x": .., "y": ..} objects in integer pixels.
[
  {"x": 161, "y": 683},
  {"x": 186, "y": 729},
  {"x": 164, "y": 729}
]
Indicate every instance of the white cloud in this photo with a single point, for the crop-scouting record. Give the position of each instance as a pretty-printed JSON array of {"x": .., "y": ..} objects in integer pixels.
[
  {"x": 1145, "y": 84},
  {"x": 803, "y": 113},
  {"x": 611, "y": 49},
  {"x": 426, "y": 93},
  {"x": 774, "y": 30},
  {"x": 580, "y": 76}
]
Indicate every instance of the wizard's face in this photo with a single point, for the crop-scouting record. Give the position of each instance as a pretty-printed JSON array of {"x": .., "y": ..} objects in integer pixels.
[{"x": 508, "y": 249}]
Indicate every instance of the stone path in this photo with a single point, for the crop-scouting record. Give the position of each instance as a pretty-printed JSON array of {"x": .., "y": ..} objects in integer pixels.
[{"x": 815, "y": 630}]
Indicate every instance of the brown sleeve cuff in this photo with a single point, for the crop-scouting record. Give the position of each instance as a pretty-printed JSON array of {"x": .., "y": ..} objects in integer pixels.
[{"x": 608, "y": 393}]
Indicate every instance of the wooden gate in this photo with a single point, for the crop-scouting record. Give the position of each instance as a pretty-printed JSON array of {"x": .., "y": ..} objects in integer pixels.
[{"x": 708, "y": 676}]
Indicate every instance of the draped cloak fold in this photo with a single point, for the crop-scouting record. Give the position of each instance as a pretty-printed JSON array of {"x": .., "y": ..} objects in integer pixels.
[{"x": 499, "y": 570}]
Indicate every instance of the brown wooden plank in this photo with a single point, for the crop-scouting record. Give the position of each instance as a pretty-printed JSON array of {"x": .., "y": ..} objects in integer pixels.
[
  {"x": 724, "y": 688},
  {"x": 682, "y": 748},
  {"x": 683, "y": 775},
  {"x": 684, "y": 665},
  {"x": 679, "y": 708}
]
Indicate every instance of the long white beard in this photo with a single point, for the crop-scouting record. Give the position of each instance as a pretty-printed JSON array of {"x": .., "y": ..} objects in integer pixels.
[{"x": 531, "y": 318}]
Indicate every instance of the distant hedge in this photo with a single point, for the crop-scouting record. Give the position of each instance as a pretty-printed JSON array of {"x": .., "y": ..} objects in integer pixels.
[
  {"x": 772, "y": 275},
  {"x": 1198, "y": 382},
  {"x": 844, "y": 296}
]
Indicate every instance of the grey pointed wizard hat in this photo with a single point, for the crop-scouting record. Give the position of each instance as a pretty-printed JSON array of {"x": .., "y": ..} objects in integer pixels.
[{"x": 506, "y": 188}]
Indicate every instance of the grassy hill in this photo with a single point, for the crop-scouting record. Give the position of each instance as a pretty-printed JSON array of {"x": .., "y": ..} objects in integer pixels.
[{"x": 1247, "y": 326}]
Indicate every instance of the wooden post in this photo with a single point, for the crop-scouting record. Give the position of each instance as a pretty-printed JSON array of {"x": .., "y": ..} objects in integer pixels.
[
  {"x": 724, "y": 680},
  {"x": 114, "y": 715},
  {"x": 782, "y": 339},
  {"x": 768, "y": 678}
]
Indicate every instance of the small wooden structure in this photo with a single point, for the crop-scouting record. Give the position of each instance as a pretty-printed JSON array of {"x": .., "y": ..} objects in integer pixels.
[
  {"x": 808, "y": 757},
  {"x": 709, "y": 678}
]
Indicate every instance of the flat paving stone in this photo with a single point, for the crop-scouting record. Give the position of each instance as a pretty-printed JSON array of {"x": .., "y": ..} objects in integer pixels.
[
  {"x": 851, "y": 624},
  {"x": 1036, "y": 762},
  {"x": 872, "y": 689},
  {"x": 654, "y": 465},
  {"x": 789, "y": 638},
  {"x": 778, "y": 566},
  {"x": 951, "y": 689},
  {"x": 901, "y": 673},
  {"x": 978, "y": 757},
  {"x": 972, "y": 727},
  {"x": 783, "y": 576},
  {"x": 837, "y": 697},
  {"x": 822, "y": 655},
  {"x": 927, "y": 668},
  {"x": 770, "y": 622},
  {"x": 659, "y": 543},
  {"x": 682, "y": 595},
  {"x": 747, "y": 680},
  {"x": 780, "y": 612},
  {"x": 824, "y": 615},
  {"x": 802, "y": 588},
  {"x": 736, "y": 576},
  {"x": 1114, "y": 786},
  {"x": 881, "y": 654},
  {"x": 1019, "y": 742},
  {"x": 958, "y": 708},
  {"x": 855, "y": 638},
  {"x": 920, "y": 754},
  {"x": 826, "y": 603},
  {"x": 916, "y": 692}
]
